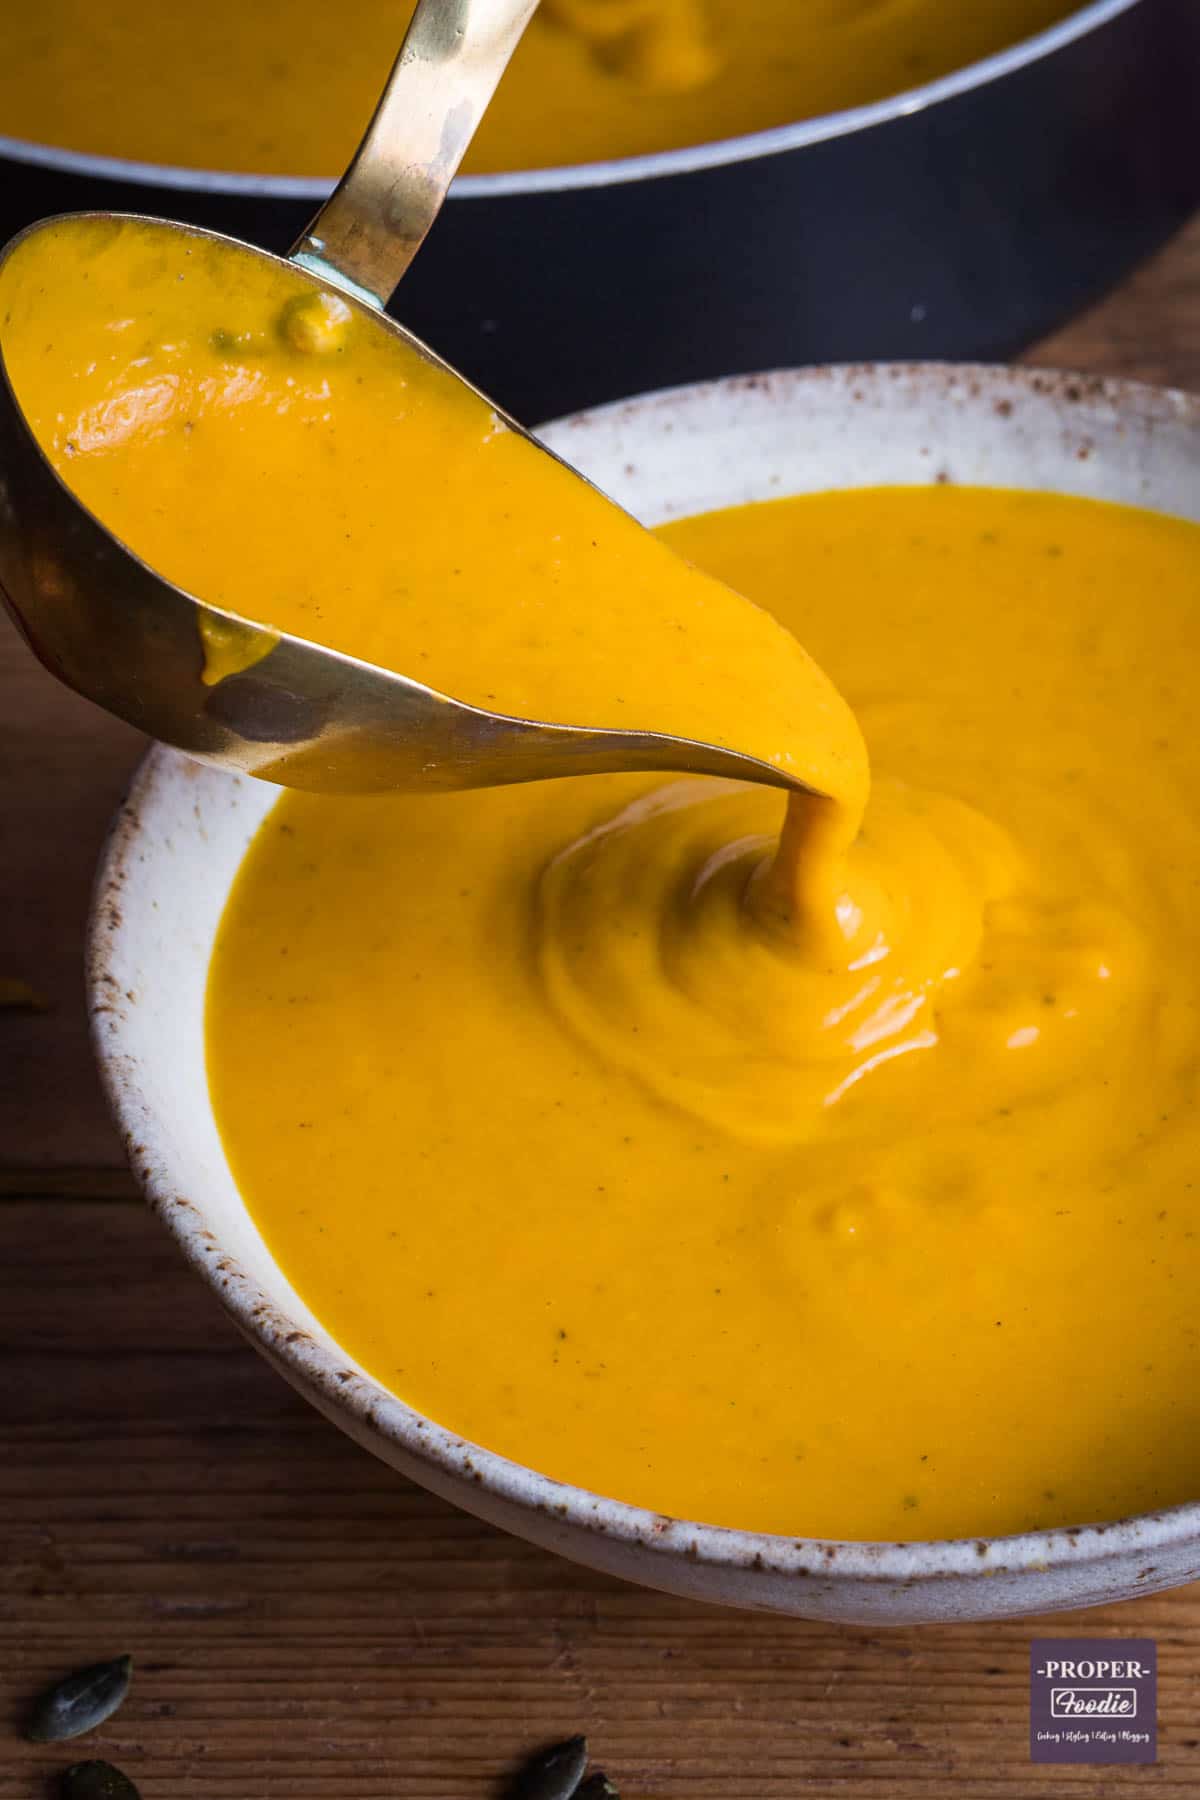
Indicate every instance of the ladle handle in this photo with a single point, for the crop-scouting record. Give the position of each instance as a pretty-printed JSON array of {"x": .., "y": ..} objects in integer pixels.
[{"x": 375, "y": 221}]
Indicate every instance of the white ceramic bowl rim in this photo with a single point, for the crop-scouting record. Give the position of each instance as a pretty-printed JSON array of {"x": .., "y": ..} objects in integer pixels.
[
  {"x": 618, "y": 169},
  {"x": 345, "y": 1392}
]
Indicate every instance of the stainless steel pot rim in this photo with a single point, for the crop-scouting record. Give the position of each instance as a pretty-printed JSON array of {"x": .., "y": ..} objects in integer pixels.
[
  {"x": 689, "y": 160},
  {"x": 346, "y": 1391}
]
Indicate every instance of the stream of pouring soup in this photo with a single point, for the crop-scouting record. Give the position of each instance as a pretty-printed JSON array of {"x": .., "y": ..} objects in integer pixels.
[{"x": 783, "y": 1189}]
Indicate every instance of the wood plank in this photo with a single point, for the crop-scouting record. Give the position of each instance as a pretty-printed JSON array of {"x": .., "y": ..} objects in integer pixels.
[
  {"x": 63, "y": 765},
  {"x": 308, "y": 1624},
  {"x": 1149, "y": 330}
]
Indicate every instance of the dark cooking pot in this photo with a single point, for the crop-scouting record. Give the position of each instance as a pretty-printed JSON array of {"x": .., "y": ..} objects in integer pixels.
[{"x": 962, "y": 219}]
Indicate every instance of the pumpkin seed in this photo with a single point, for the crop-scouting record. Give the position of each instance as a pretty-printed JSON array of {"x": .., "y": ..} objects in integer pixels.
[
  {"x": 80, "y": 1702},
  {"x": 553, "y": 1774},
  {"x": 96, "y": 1781},
  {"x": 597, "y": 1787}
]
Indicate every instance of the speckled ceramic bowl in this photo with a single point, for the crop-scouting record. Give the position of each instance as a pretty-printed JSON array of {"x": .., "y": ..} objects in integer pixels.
[{"x": 178, "y": 839}]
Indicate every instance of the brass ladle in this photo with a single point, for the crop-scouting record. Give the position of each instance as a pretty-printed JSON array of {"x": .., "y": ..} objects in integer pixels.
[{"x": 303, "y": 715}]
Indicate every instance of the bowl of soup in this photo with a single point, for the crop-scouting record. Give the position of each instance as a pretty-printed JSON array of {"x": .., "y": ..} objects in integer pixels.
[
  {"x": 664, "y": 190},
  {"x": 749, "y": 1279}
]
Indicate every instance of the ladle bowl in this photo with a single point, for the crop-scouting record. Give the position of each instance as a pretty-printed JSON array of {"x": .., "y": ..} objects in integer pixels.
[{"x": 121, "y": 634}]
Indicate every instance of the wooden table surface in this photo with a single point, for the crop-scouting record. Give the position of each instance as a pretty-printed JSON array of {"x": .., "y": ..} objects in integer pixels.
[{"x": 306, "y": 1623}]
